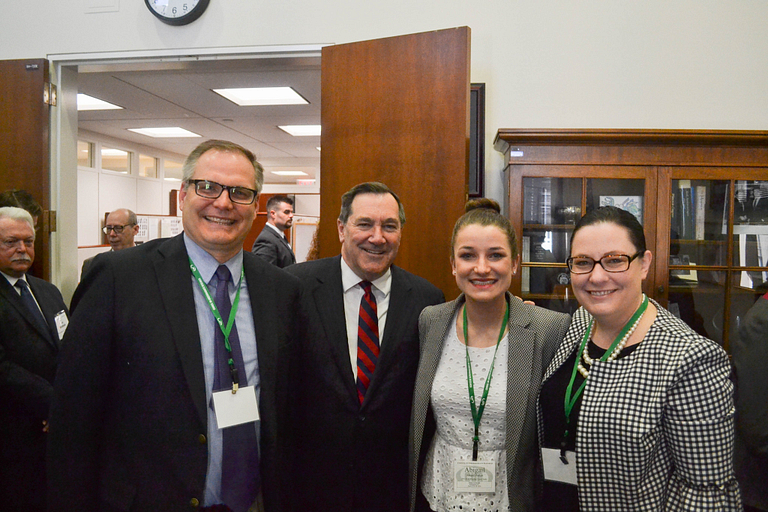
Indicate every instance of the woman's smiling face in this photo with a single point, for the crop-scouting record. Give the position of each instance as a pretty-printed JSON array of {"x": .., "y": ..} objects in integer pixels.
[
  {"x": 482, "y": 262},
  {"x": 608, "y": 294}
]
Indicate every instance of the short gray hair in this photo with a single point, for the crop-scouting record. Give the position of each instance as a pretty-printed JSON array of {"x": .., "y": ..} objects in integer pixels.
[
  {"x": 12, "y": 212},
  {"x": 225, "y": 146},
  {"x": 371, "y": 187}
]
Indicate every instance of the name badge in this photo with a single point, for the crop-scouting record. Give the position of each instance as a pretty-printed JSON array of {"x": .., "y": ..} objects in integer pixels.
[
  {"x": 474, "y": 476},
  {"x": 559, "y": 468},
  {"x": 235, "y": 408},
  {"x": 61, "y": 322}
]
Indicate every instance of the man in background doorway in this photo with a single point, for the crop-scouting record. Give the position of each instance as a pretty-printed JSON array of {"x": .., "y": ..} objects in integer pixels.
[
  {"x": 271, "y": 245},
  {"x": 121, "y": 228}
]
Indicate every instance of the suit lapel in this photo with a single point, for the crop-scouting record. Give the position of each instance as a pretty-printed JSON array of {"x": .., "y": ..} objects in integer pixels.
[
  {"x": 171, "y": 264},
  {"x": 400, "y": 308},
  {"x": 264, "y": 314},
  {"x": 49, "y": 307},
  {"x": 13, "y": 298},
  {"x": 329, "y": 300},
  {"x": 522, "y": 347}
]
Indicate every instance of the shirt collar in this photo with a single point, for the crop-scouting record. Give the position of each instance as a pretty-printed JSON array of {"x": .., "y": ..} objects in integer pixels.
[
  {"x": 207, "y": 264},
  {"x": 349, "y": 279},
  {"x": 276, "y": 230},
  {"x": 12, "y": 280}
]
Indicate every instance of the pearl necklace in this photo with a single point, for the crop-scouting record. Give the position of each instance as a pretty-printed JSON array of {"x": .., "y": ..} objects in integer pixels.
[{"x": 616, "y": 351}]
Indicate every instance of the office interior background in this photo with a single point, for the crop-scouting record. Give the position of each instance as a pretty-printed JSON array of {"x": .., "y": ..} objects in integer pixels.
[{"x": 679, "y": 65}]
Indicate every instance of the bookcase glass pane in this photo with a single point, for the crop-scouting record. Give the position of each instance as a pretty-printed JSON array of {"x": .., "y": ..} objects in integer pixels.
[
  {"x": 699, "y": 223},
  {"x": 743, "y": 298},
  {"x": 750, "y": 225},
  {"x": 624, "y": 193},
  {"x": 698, "y": 298},
  {"x": 551, "y": 200}
]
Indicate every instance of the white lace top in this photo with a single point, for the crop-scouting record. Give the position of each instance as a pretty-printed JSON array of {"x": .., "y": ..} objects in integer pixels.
[{"x": 455, "y": 428}]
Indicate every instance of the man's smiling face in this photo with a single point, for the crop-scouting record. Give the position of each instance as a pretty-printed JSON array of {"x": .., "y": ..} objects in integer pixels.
[{"x": 371, "y": 236}]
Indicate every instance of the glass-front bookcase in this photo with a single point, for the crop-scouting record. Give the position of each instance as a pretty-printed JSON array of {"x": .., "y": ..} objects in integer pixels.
[{"x": 702, "y": 198}]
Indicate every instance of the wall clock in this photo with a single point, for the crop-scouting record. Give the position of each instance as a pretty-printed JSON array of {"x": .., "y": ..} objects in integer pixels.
[{"x": 177, "y": 12}]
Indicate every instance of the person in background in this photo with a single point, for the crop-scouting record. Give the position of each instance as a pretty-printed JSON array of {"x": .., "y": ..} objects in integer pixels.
[
  {"x": 644, "y": 401},
  {"x": 33, "y": 318},
  {"x": 24, "y": 200},
  {"x": 359, "y": 362},
  {"x": 505, "y": 346},
  {"x": 750, "y": 360},
  {"x": 121, "y": 228},
  {"x": 175, "y": 377},
  {"x": 271, "y": 245}
]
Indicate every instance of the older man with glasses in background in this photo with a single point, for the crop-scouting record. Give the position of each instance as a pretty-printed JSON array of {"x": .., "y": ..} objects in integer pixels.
[
  {"x": 176, "y": 374},
  {"x": 121, "y": 228}
]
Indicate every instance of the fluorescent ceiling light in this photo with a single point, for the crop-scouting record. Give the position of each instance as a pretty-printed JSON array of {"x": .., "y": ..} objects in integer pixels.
[
  {"x": 289, "y": 173},
  {"x": 302, "y": 130},
  {"x": 253, "y": 96},
  {"x": 169, "y": 131},
  {"x": 85, "y": 102},
  {"x": 171, "y": 179}
]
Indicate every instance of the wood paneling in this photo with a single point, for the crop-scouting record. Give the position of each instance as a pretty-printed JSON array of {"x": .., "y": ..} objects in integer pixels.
[
  {"x": 24, "y": 153},
  {"x": 396, "y": 110}
]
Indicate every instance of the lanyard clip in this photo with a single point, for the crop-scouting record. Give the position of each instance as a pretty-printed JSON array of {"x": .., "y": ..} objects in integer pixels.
[{"x": 233, "y": 372}]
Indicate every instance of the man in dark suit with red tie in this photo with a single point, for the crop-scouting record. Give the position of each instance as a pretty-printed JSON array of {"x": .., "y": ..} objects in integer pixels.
[
  {"x": 358, "y": 362},
  {"x": 169, "y": 341},
  {"x": 32, "y": 319}
]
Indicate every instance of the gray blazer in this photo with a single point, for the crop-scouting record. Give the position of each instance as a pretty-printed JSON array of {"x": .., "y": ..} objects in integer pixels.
[{"x": 534, "y": 335}]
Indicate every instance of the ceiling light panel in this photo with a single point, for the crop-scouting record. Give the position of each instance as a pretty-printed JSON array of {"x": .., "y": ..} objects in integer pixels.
[
  {"x": 259, "y": 96},
  {"x": 85, "y": 102},
  {"x": 303, "y": 130},
  {"x": 164, "y": 132}
]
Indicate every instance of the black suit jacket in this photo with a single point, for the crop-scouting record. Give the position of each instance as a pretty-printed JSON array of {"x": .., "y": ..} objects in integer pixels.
[
  {"x": 27, "y": 368},
  {"x": 353, "y": 458},
  {"x": 128, "y": 420},
  {"x": 273, "y": 248}
]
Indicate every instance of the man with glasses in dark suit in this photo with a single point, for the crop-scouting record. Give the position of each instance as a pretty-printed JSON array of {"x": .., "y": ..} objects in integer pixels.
[{"x": 176, "y": 374}]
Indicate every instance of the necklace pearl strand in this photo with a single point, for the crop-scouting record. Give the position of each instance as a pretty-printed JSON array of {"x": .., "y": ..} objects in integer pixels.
[{"x": 585, "y": 356}]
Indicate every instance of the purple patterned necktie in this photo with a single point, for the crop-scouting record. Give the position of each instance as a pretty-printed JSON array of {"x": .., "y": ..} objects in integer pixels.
[{"x": 240, "y": 478}]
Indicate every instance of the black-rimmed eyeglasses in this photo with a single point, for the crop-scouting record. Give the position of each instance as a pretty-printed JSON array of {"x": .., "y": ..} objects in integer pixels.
[
  {"x": 212, "y": 190},
  {"x": 609, "y": 262},
  {"x": 117, "y": 228}
]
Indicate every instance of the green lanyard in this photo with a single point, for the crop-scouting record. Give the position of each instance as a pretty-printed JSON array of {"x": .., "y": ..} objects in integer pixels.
[
  {"x": 233, "y": 312},
  {"x": 571, "y": 399},
  {"x": 477, "y": 412}
]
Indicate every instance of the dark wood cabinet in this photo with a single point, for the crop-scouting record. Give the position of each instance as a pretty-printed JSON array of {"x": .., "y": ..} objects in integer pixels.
[{"x": 702, "y": 197}]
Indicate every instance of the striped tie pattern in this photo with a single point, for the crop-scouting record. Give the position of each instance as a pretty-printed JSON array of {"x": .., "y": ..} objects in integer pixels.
[{"x": 367, "y": 340}]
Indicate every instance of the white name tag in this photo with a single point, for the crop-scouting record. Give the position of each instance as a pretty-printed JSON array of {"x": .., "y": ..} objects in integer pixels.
[
  {"x": 235, "y": 409},
  {"x": 474, "y": 476},
  {"x": 61, "y": 322},
  {"x": 556, "y": 469}
]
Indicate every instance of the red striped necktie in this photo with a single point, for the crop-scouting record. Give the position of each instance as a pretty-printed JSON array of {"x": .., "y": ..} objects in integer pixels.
[{"x": 367, "y": 340}]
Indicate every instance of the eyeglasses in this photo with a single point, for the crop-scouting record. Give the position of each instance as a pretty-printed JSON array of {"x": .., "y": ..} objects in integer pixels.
[
  {"x": 609, "y": 262},
  {"x": 12, "y": 243},
  {"x": 212, "y": 190},
  {"x": 116, "y": 228}
]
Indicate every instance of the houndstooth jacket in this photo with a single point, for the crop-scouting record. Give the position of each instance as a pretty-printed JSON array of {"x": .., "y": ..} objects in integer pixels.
[{"x": 656, "y": 428}]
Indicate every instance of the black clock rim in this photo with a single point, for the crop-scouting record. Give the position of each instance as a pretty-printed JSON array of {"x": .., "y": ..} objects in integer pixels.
[{"x": 181, "y": 20}]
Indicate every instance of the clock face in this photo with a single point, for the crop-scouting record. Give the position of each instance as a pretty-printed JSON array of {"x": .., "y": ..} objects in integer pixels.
[{"x": 177, "y": 12}]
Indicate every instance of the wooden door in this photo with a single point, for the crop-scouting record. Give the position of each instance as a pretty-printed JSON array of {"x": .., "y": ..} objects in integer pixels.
[
  {"x": 396, "y": 110},
  {"x": 24, "y": 153}
]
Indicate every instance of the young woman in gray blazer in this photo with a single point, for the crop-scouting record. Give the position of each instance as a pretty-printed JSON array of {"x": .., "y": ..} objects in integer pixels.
[{"x": 480, "y": 453}]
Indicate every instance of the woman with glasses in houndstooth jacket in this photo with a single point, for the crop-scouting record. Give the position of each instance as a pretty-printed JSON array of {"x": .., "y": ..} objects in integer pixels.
[{"x": 636, "y": 410}]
